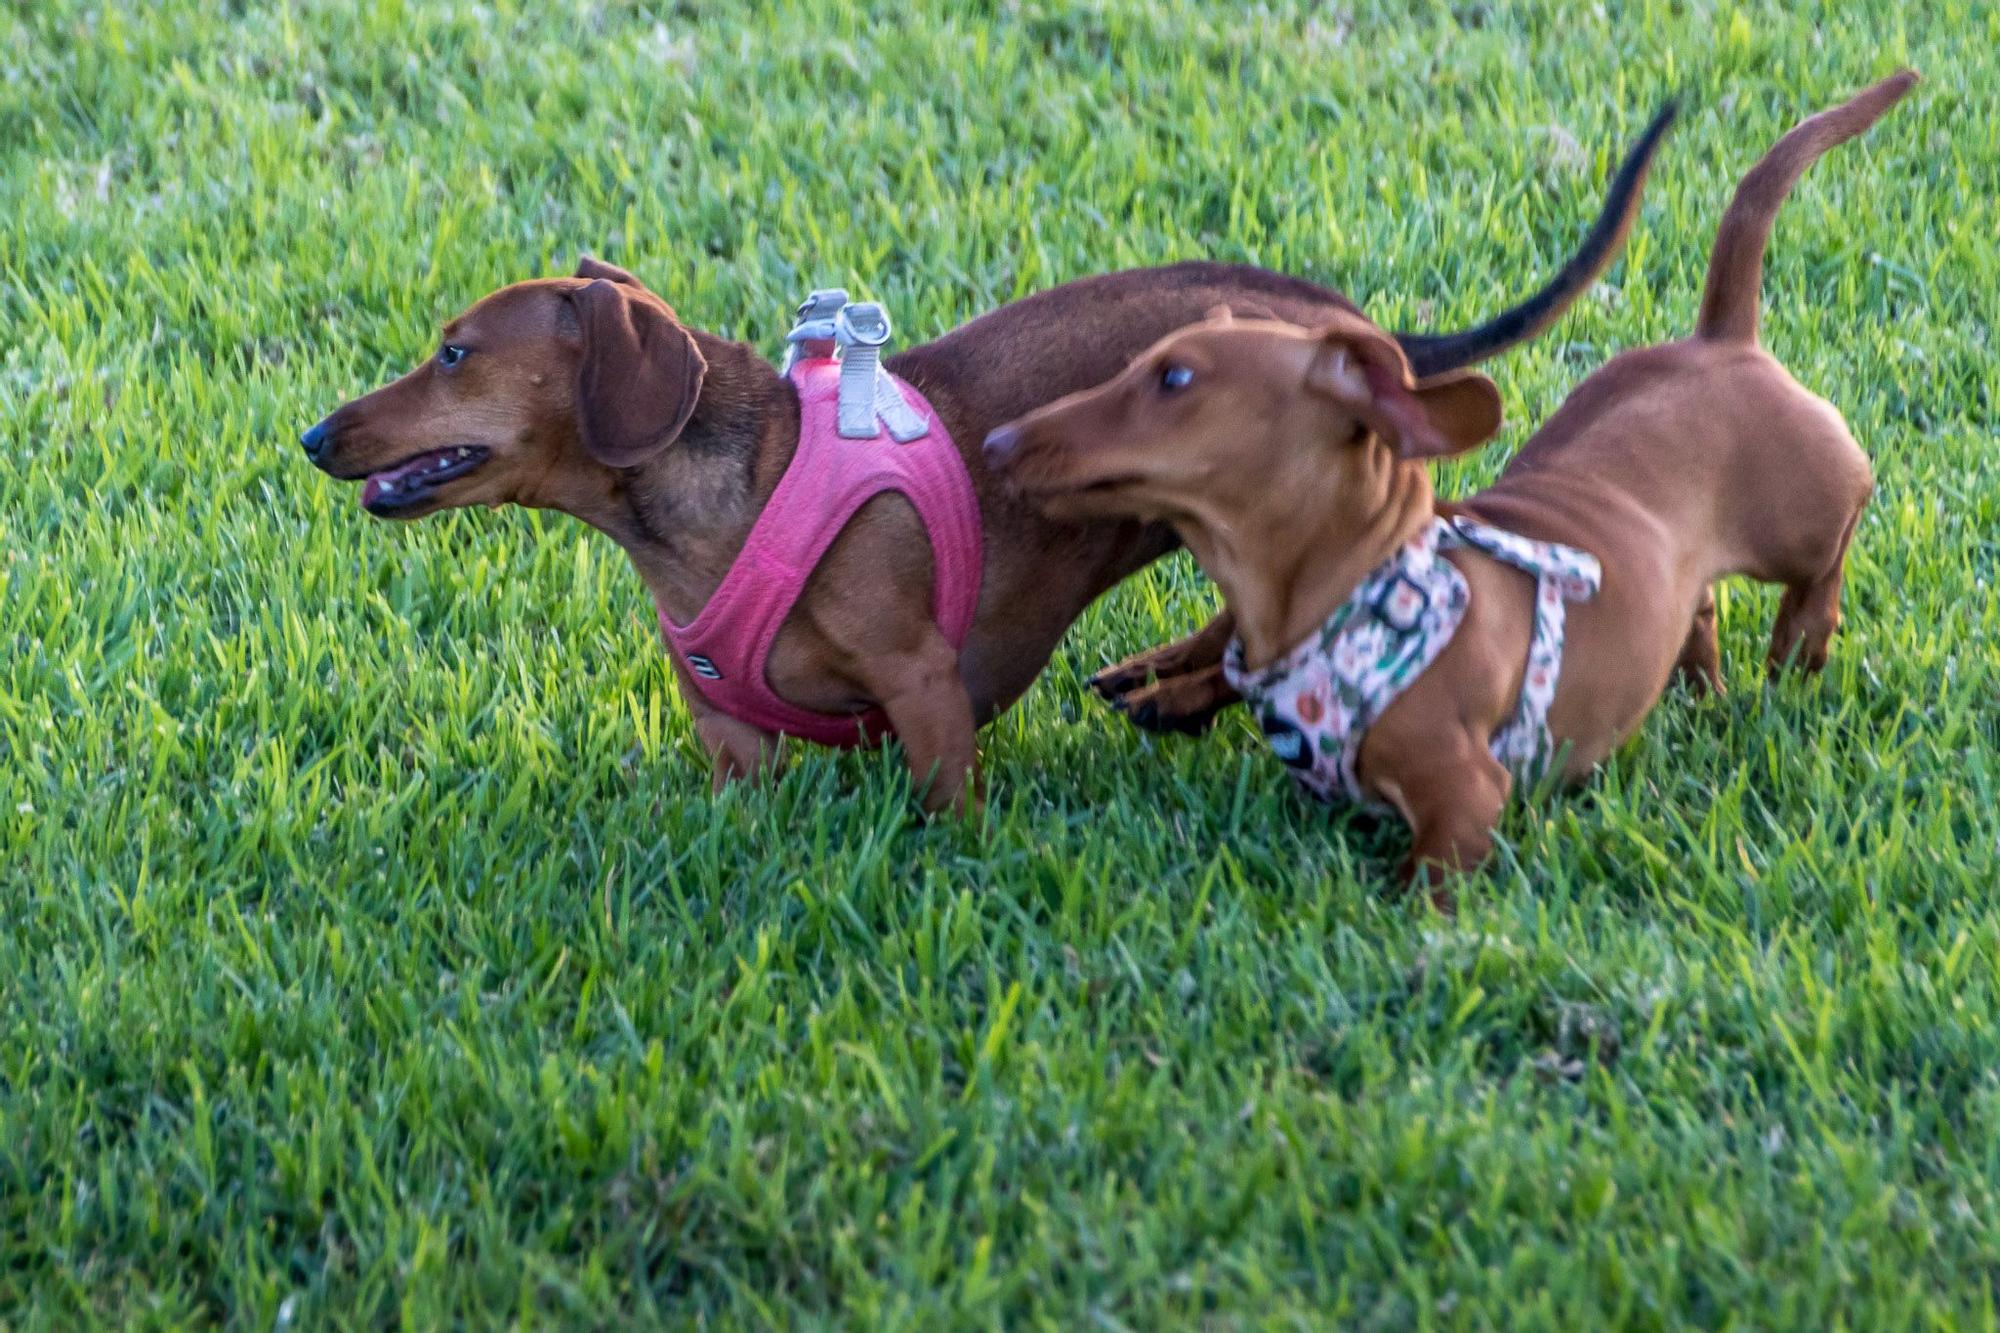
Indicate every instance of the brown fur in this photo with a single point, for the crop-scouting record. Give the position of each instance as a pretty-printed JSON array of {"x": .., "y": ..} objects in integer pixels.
[
  {"x": 589, "y": 396},
  {"x": 1292, "y": 462}
]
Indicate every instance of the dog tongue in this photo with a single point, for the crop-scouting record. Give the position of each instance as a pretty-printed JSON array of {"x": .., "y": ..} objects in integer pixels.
[{"x": 381, "y": 481}]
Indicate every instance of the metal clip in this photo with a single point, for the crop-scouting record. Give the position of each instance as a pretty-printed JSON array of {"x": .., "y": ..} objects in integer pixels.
[{"x": 813, "y": 333}]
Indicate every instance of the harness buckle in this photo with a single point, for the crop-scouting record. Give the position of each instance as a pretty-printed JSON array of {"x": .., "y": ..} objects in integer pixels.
[
  {"x": 854, "y": 332},
  {"x": 813, "y": 332}
]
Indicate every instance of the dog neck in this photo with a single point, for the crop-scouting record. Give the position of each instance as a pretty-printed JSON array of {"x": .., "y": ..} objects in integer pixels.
[
  {"x": 1286, "y": 571},
  {"x": 684, "y": 516}
]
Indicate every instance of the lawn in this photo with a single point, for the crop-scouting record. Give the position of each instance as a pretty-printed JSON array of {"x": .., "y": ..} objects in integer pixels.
[{"x": 371, "y": 947}]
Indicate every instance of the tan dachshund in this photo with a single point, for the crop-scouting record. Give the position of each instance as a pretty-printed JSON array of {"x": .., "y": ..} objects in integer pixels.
[
  {"x": 1292, "y": 462},
  {"x": 588, "y": 395}
]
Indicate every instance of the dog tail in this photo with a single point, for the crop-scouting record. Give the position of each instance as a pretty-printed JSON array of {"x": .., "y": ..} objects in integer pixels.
[
  {"x": 1736, "y": 266},
  {"x": 1435, "y": 353}
]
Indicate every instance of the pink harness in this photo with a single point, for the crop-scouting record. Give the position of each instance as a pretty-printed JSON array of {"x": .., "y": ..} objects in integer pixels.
[{"x": 725, "y": 647}]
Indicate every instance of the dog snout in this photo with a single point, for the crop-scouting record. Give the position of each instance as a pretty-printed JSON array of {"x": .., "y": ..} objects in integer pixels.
[
  {"x": 318, "y": 438},
  {"x": 1002, "y": 442}
]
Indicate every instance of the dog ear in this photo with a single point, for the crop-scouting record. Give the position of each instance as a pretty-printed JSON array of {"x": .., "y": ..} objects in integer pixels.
[
  {"x": 1463, "y": 407},
  {"x": 1364, "y": 370},
  {"x": 1231, "y": 311},
  {"x": 591, "y": 270},
  {"x": 638, "y": 373}
]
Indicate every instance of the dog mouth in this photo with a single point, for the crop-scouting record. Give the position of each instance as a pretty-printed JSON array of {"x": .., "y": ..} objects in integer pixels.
[{"x": 414, "y": 481}]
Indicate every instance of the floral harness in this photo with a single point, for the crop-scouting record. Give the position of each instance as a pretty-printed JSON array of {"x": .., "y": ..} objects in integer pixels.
[{"x": 1316, "y": 702}]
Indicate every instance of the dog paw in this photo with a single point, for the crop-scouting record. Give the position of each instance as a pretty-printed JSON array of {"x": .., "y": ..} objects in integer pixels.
[
  {"x": 1699, "y": 682},
  {"x": 1115, "y": 682},
  {"x": 1423, "y": 877},
  {"x": 1179, "y": 705}
]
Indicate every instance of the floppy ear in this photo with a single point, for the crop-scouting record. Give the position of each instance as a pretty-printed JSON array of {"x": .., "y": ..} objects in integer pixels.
[
  {"x": 1230, "y": 311},
  {"x": 1463, "y": 407},
  {"x": 638, "y": 374},
  {"x": 1365, "y": 371},
  {"x": 592, "y": 269}
]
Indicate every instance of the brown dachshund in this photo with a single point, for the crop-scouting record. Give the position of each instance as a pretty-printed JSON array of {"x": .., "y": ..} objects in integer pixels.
[
  {"x": 589, "y": 395},
  {"x": 1291, "y": 461}
]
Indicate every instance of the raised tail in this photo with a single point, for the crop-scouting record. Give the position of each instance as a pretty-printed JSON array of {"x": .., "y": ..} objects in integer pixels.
[
  {"x": 1435, "y": 353},
  {"x": 1736, "y": 266}
]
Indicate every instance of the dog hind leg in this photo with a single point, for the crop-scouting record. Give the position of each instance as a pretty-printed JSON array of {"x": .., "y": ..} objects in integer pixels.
[{"x": 1809, "y": 612}]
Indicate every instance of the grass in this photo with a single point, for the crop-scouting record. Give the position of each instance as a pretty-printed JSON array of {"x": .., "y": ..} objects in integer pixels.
[{"x": 371, "y": 949}]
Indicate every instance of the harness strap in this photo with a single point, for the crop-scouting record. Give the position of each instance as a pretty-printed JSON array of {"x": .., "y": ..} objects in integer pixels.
[
  {"x": 858, "y": 368},
  {"x": 1562, "y": 574},
  {"x": 1576, "y": 574},
  {"x": 1316, "y": 702},
  {"x": 905, "y": 423}
]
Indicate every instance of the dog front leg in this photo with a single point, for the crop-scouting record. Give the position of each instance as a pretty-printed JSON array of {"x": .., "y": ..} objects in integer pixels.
[
  {"x": 1451, "y": 796},
  {"x": 1176, "y": 687},
  {"x": 1188, "y": 703},
  {"x": 735, "y": 749},
  {"x": 1199, "y": 650},
  {"x": 927, "y": 704}
]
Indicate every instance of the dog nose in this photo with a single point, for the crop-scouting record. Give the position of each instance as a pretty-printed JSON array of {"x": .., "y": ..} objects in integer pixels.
[
  {"x": 317, "y": 438},
  {"x": 1001, "y": 442}
]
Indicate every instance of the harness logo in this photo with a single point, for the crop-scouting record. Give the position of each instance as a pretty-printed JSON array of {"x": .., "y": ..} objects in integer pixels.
[{"x": 704, "y": 667}]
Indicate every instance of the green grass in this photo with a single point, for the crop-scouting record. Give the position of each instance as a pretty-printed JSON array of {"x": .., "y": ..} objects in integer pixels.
[{"x": 370, "y": 946}]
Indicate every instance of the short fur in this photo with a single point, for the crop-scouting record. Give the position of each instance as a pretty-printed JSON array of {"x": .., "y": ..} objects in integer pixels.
[
  {"x": 588, "y": 395},
  {"x": 1291, "y": 460}
]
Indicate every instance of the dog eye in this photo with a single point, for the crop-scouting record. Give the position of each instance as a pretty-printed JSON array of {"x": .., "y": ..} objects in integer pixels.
[
  {"x": 1175, "y": 378},
  {"x": 450, "y": 355}
]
